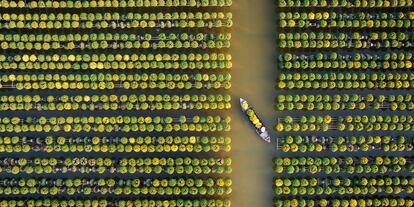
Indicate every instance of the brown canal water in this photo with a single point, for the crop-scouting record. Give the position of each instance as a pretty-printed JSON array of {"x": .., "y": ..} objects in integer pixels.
[{"x": 253, "y": 78}]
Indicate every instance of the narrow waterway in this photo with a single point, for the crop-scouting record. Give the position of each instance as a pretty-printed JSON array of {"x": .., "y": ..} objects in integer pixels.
[{"x": 254, "y": 75}]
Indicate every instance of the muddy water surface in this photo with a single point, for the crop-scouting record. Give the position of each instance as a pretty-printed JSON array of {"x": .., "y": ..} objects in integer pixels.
[{"x": 253, "y": 43}]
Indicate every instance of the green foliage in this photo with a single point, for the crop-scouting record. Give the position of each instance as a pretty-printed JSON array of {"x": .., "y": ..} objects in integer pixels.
[{"x": 346, "y": 65}]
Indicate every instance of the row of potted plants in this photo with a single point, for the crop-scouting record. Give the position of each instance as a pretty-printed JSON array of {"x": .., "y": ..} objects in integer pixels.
[
  {"x": 148, "y": 144},
  {"x": 94, "y": 61},
  {"x": 85, "y": 165},
  {"x": 33, "y": 4}
]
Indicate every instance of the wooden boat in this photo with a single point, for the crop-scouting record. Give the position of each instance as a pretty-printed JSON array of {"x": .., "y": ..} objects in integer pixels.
[{"x": 255, "y": 121}]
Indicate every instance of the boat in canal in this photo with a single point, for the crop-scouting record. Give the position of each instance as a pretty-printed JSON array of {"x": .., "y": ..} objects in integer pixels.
[{"x": 255, "y": 121}]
